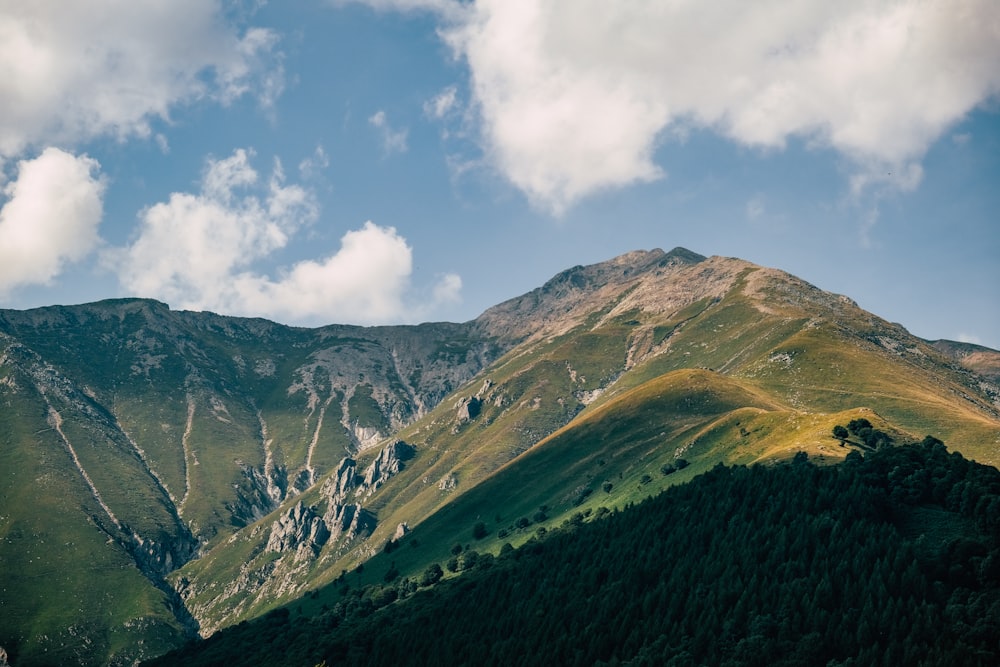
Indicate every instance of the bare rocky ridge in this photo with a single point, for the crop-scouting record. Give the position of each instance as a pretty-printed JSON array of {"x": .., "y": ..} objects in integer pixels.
[{"x": 567, "y": 299}]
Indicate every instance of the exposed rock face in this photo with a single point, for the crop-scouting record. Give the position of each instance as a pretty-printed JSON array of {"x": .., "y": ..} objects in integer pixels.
[
  {"x": 254, "y": 499},
  {"x": 342, "y": 481},
  {"x": 347, "y": 522},
  {"x": 299, "y": 527},
  {"x": 448, "y": 482},
  {"x": 302, "y": 530},
  {"x": 388, "y": 463},
  {"x": 401, "y": 531},
  {"x": 468, "y": 409}
]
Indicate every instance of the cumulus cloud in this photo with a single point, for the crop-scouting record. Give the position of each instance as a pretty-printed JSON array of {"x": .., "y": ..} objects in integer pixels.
[
  {"x": 73, "y": 70},
  {"x": 393, "y": 141},
  {"x": 50, "y": 217},
  {"x": 574, "y": 95},
  {"x": 202, "y": 252}
]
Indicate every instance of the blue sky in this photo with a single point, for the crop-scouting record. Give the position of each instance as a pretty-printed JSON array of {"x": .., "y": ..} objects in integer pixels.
[{"x": 389, "y": 161}]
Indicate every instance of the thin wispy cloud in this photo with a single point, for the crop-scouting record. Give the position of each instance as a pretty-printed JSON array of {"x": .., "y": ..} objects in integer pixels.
[
  {"x": 442, "y": 104},
  {"x": 393, "y": 140}
]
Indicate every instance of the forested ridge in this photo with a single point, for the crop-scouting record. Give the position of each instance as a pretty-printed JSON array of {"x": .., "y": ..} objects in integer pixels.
[{"x": 890, "y": 558}]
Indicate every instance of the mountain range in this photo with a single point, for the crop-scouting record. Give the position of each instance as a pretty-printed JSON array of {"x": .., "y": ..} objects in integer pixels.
[{"x": 167, "y": 473}]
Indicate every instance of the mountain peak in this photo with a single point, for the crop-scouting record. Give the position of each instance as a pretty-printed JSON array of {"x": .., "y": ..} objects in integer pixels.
[{"x": 573, "y": 293}]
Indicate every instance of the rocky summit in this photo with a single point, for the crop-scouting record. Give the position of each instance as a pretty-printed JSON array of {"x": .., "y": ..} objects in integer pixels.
[{"x": 166, "y": 474}]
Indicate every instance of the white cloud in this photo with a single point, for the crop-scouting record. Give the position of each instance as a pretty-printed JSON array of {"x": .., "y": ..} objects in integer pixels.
[
  {"x": 162, "y": 143},
  {"x": 202, "y": 252},
  {"x": 393, "y": 141},
  {"x": 969, "y": 338},
  {"x": 442, "y": 103},
  {"x": 311, "y": 165},
  {"x": 50, "y": 217},
  {"x": 365, "y": 281},
  {"x": 574, "y": 95},
  {"x": 77, "y": 69},
  {"x": 449, "y": 289}
]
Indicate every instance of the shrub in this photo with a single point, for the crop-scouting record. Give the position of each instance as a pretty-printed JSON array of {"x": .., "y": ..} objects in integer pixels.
[
  {"x": 855, "y": 425},
  {"x": 479, "y": 530},
  {"x": 581, "y": 495},
  {"x": 468, "y": 559},
  {"x": 431, "y": 575}
]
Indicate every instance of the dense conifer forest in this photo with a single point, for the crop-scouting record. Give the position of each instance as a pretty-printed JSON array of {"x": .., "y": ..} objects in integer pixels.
[{"x": 891, "y": 558}]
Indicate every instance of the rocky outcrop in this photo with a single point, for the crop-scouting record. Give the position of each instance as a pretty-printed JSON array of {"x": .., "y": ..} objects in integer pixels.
[
  {"x": 301, "y": 529},
  {"x": 342, "y": 481},
  {"x": 297, "y": 529},
  {"x": 389, "y": 462},
  {"x": 468, "y": 409},
  {"x": 348, "y": 521}
]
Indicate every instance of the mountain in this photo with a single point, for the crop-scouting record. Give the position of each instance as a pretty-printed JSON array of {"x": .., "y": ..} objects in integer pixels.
[{"x": 168, "y": 473}]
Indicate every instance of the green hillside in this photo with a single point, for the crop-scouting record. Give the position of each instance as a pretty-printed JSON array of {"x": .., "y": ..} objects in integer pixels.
[
  {"x": 135, "y": 438},
  {"x": 210, "y": 469}
]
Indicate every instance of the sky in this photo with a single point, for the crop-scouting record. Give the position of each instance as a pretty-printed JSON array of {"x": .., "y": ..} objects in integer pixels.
[{"x": 400, "y": 161}]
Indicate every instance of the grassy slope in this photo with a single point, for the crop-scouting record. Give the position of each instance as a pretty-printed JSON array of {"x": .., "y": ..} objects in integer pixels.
[
  {"x": 698, "y": 415},
  {"x": 124, "y": 377},
  {"x": 761, "y": 402},
  {"x": 63, "y": 578}
]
